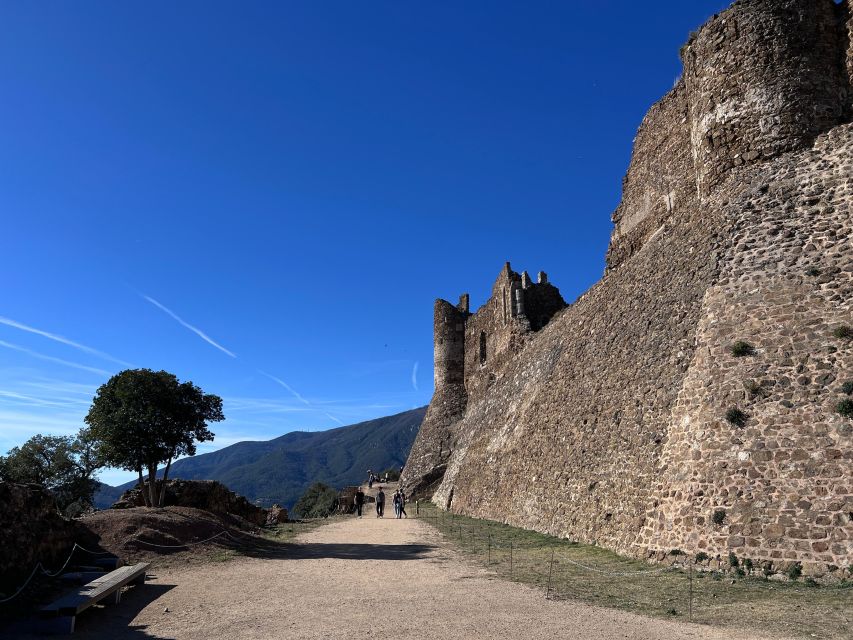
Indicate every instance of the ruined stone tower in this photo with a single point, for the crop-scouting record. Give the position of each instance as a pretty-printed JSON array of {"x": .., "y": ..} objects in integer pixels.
[
  {"x": 470, "y": 352},
  {"x": 606, "y": 422}
]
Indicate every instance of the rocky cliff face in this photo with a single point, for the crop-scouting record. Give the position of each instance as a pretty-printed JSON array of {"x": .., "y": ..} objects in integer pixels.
[{"x": 609, "y": 424}]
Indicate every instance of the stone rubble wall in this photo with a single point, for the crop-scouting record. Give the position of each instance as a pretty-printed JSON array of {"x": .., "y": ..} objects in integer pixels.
[
  {"x": 783, "y": 480},
  {"x": 33, "y": 531},
  {"x": 608, "y": 426},
  {"x": 208, "y": 495}
]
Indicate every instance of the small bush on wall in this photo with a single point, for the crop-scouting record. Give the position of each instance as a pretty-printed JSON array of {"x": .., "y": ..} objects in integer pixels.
[
  {"x": 736, "y": 417},
  {"x": 742, "y": 349}
]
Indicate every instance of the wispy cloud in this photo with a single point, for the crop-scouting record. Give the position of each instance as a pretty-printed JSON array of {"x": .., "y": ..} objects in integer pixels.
[
  {"x": 201, "y": 334},
  {"x": 415, "y": 376},
  {"x": 41, "y": 356},
  {"x": 57, "y": 338},
  {"x": 297, "y": 395},
  {"x": 40, "y": 402}
]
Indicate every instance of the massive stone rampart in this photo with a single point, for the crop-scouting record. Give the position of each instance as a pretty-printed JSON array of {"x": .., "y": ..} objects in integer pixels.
[{"x": 608, "y": 425}]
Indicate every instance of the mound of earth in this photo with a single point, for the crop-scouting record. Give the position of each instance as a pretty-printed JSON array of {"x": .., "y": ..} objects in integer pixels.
[
  {"x": 140, "y": 533},
  {"x": 209, "y": 495}
]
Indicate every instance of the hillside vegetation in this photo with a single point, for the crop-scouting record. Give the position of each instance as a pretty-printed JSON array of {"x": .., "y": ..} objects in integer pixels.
[{"x": 280, "y": 470}]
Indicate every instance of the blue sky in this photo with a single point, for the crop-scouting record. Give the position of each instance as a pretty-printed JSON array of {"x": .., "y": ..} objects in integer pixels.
[{"x": 265, "y": 198}]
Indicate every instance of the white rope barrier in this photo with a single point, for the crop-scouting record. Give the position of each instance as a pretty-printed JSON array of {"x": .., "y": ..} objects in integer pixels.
[
  {"x": 180, "y": 546},
  {"x": 40, "y": 567}
]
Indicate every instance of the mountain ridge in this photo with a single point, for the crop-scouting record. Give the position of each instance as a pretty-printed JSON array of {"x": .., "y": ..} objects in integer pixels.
[{"x": 279, "y": 470}]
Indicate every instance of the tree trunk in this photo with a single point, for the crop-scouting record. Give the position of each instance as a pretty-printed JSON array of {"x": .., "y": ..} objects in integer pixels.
[
  {"x": 152, "y": 484},
  {"x": 165, "y": 477},
  {"x": 142, "y": 488}
]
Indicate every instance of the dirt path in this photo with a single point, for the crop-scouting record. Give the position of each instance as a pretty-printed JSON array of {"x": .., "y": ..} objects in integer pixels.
[{"x": 359, "y": 579}]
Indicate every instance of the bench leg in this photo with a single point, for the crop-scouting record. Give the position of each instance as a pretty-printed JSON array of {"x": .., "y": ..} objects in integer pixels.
[
  {"x": 139, "y": 580},
  {"x": 116, "y": 598}
]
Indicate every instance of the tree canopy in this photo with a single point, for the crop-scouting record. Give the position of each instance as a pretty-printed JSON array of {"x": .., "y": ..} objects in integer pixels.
[
  {"x": 142, "y": 418},
  {"x": 318, "y": 501},
  {"x": 64, "y": 465}
]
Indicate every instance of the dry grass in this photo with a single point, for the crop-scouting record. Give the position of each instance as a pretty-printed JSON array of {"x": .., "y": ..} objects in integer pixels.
[{"x": 596, "y": 576}]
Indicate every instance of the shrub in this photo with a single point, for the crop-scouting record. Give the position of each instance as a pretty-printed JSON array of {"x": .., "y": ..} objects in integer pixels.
[
  {"x": 733, "y": 561},
  {"x": 748, "y": 565},
  {"x": 812, "y": 271},
  {"x": 845, "y": 408},
  {"x": 740, "y": 349},
  {"x": 740, "y": 573},
  {"x": 736, "y": 417},
  {"x": 701, "y": 557},
  {"x": 677, "y": 552},
  {"x": 847, "y": 387},
  {"x": 844, "y": 332},
  {"x": 767, "y": 569},
  {"x": 795, "y": 571},
  {"x": 318, "y": 501},
  {"x": 719, "y": 516}
]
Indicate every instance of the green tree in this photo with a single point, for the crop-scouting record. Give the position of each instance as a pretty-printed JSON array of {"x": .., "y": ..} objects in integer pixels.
[
  {"x": 142, "y": 418},
  {"x": 64, "y": 465},
  {"x": 318, "y": 501}
]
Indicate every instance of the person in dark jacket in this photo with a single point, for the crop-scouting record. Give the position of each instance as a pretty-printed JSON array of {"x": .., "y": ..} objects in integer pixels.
[
  {"x": 359, "y": 501},
  {"x": 403, "y": 505},
  {"x": 380, "y": 503}
]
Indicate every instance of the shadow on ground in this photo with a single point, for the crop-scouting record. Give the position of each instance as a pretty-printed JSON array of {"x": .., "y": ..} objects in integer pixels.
[
  {"x": 357, "y": 551},
  {"x": 101, "y": 621}
]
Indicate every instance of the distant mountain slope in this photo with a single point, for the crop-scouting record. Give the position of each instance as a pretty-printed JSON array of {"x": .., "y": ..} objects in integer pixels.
[{"x": 280, "y": 470}]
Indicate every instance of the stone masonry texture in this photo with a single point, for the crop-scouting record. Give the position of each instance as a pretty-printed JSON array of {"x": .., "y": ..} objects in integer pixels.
[{"x": 626, "y": 419}]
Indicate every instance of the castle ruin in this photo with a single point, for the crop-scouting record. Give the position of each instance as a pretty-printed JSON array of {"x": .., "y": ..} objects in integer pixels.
[{"x": 609, "y": 421}]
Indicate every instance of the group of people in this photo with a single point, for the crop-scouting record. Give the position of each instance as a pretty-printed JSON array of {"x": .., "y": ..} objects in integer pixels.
[
  {"x": 374, "y": 477},
  {"x": 399, "y": 501}
]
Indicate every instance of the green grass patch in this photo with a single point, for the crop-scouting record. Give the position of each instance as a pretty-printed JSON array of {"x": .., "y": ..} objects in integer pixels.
[{"x": 597, "y": 576}]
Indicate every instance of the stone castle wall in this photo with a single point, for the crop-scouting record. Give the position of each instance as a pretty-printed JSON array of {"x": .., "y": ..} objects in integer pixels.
[
  {"x": 783, "y": 479},
  {"x": 660, "y": 182},
  {"x": 471, "y": 353},
  {"x": 608, "y": 425},
  {"x": 763, "y": 78}
]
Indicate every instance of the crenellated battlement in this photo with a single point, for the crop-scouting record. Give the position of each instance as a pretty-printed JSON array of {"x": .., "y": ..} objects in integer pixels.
[{"x": 471, "y": 349}]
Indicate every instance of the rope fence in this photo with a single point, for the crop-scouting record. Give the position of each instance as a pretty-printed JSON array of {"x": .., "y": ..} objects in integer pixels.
[
  {"x": 680, "y": 590},
  {"x": 40, "y": 568}
]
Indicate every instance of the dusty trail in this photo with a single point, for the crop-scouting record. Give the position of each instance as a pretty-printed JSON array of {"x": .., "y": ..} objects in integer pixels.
[{"x": 358, "y": 579}]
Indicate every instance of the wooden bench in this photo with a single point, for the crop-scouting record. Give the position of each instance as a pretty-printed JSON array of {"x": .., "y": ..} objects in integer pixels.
[{"x": 62, "y": 613}]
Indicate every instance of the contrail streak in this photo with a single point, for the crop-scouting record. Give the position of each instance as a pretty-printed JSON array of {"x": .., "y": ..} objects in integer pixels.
[
  {"x": 297, "y": 395},
  {"x": 41, "y": 356},
  {"x": 57, "y": 338},
  {"x": 201, "y": 334},
  {"x": 415, "y": 376}
]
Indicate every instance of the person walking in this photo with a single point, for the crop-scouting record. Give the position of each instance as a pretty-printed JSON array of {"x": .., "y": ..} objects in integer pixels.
[
  {"x": 380, "y": 503},
  {"x": 403, "y": 504},
  {"x": 369, "y": 479},
  {"x": 397, "y": 506},
  {"x": 359, "y": 501}
]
